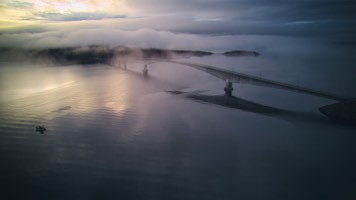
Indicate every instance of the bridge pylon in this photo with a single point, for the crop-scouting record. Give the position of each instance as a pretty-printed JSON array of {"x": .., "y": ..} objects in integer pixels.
[
  {"x": 145, "y": 70},
  {"x": 228, "y": 88}
]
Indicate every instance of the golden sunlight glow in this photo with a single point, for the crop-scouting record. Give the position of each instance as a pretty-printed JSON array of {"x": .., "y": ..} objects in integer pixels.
[
  {"x": 73, "y": 7},
  {"x": 37, "y": 11},
  {"x": 64, "y": 7},
  {"x": 70, "y": 6},
  {"x": 12, "y": 16}
]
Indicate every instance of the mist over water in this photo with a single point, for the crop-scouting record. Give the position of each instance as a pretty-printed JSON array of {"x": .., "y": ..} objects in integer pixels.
[{"x": 116, "y": 134}]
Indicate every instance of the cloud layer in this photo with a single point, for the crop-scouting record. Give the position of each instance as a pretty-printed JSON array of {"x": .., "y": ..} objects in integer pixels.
[{"x": 209, "y": 24}]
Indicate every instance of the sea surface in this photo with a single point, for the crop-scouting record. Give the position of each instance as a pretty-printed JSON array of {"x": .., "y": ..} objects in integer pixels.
[{"x": 117, "y": 134}]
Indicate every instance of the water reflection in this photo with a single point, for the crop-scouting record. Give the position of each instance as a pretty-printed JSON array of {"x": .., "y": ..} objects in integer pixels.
[{"x": 41, "y": 90}]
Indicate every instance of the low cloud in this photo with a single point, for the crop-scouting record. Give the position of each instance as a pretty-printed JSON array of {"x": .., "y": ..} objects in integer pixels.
[
  {"x": 74, "y": 16},
  {"x": 16, "y": 4},
  {"x": 330, "y": 19},
  {"x": 196, "y": 25},
  {"x": 146, "y": 38}
]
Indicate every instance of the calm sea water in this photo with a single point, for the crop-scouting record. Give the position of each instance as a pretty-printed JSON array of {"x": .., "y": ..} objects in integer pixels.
[{"x": 115, "y": 134}]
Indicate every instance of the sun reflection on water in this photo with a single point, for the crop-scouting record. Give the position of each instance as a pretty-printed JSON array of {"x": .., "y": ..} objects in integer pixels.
[{"x": 45, "y": 90}]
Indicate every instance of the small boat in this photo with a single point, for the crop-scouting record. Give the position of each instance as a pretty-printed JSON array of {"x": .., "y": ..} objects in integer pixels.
[{"x": 40, "y": 129}]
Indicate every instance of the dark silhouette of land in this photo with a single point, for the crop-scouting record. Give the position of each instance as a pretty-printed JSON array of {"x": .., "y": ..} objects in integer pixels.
[
  {"x": 343, "y": 112},
  {"x": 241, "y": 53},
  {"x": 96, "y": 54}
]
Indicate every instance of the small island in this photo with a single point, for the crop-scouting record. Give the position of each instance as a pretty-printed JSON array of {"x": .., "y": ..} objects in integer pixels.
[{"x": 241, "y": 53}]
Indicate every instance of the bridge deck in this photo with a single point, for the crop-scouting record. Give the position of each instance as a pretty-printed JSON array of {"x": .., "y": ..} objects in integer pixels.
[{"x": 237, "y": 77}]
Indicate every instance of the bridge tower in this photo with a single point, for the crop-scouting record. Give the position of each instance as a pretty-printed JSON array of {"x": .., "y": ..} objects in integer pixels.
[
  {"x": 228, "y": 88},
  {"x": 145, "y": 70}
]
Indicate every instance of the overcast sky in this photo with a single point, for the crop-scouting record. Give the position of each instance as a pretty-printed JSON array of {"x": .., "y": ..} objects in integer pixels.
[{"x": 172, "y": 23}]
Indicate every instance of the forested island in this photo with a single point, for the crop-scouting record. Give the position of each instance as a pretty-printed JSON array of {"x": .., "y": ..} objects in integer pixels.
[{"x": 105, "y": 54}]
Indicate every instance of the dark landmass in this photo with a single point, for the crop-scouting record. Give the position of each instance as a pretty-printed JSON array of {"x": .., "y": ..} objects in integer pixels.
[
  {"x": 347, "y": 43},
  {"x": 103, "y": 54},
  {"x": 241, "y": 53},
  {"x": 342, "y": 112}
]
